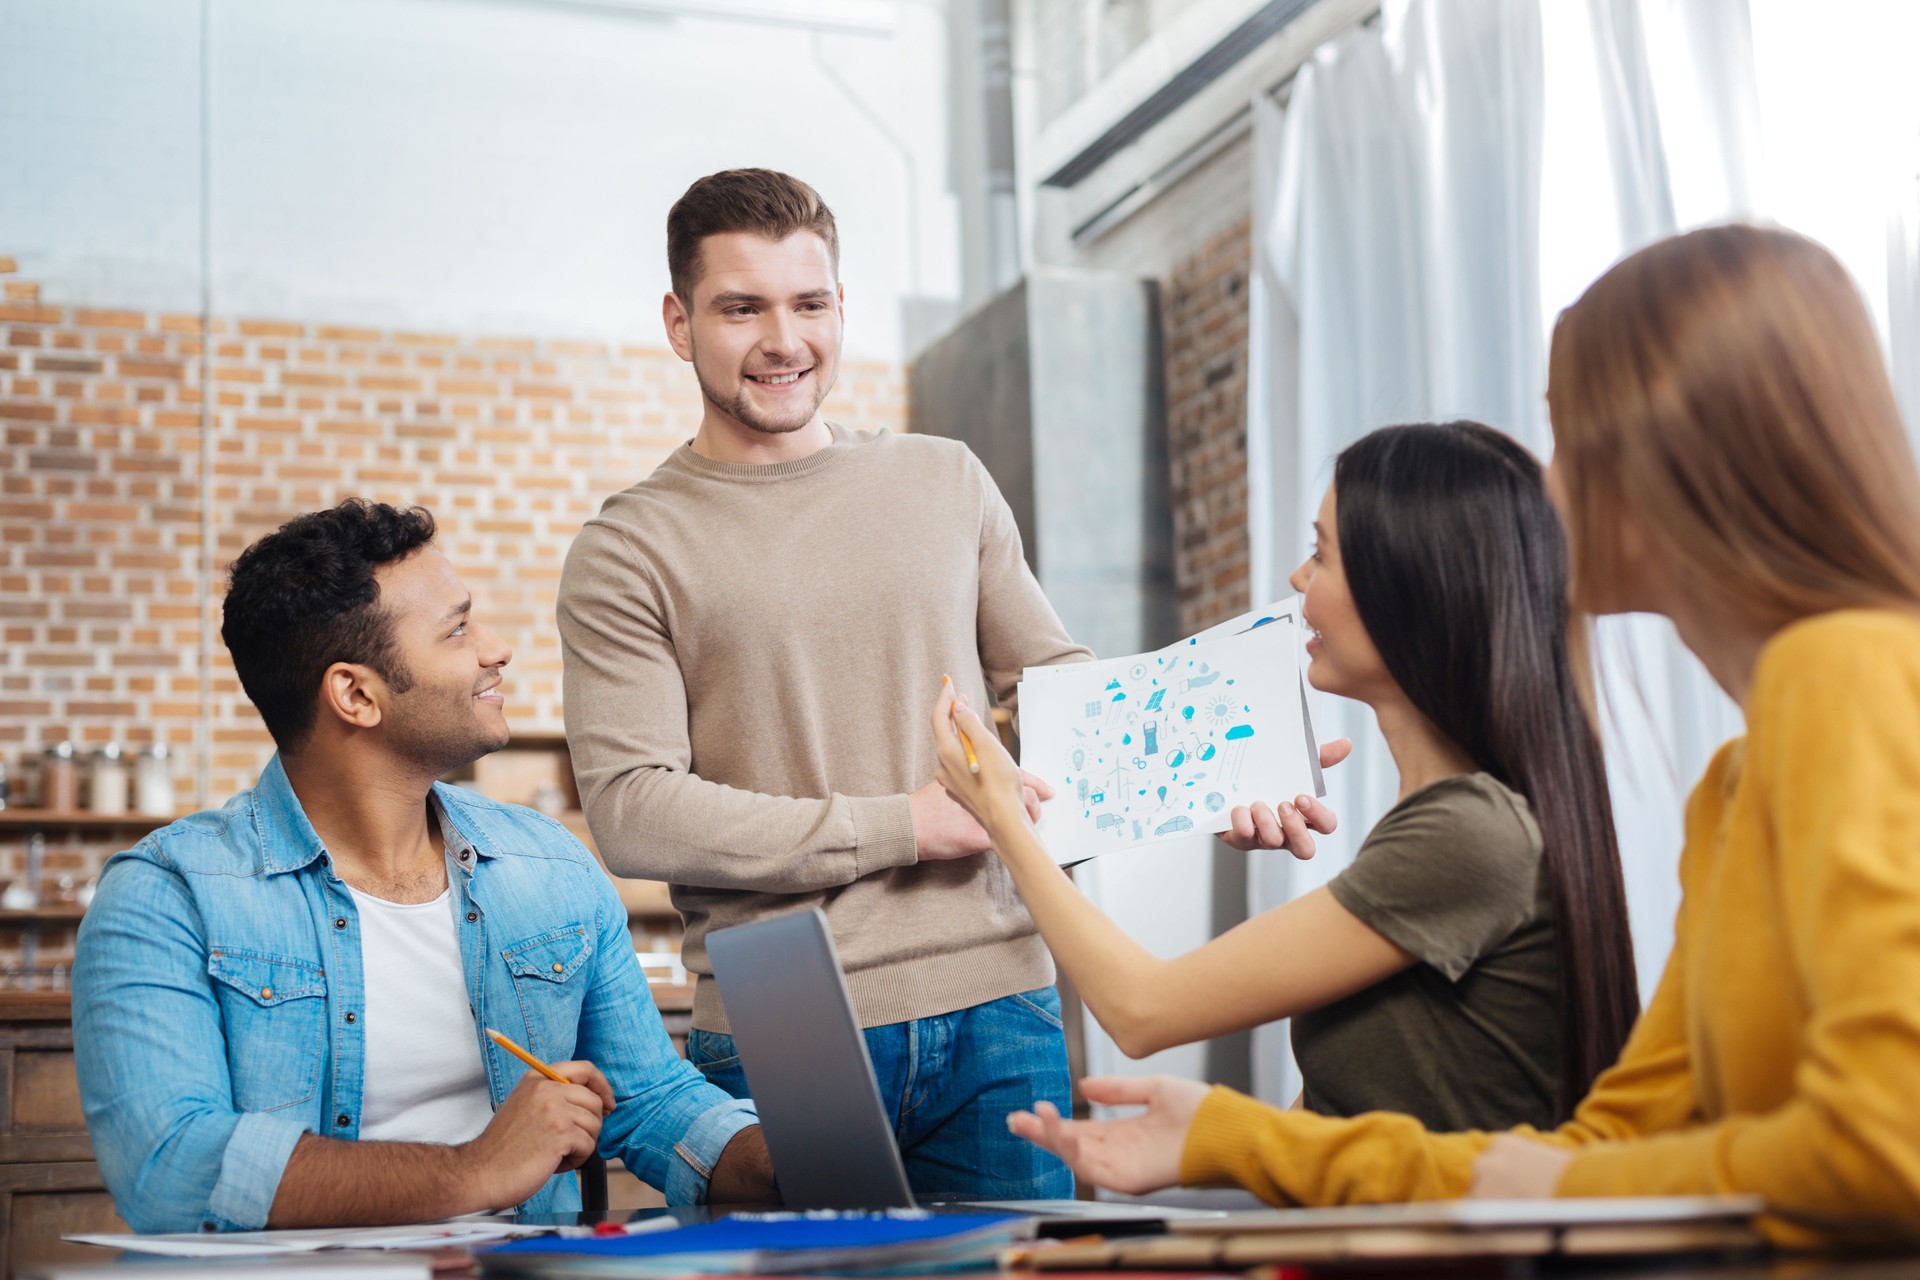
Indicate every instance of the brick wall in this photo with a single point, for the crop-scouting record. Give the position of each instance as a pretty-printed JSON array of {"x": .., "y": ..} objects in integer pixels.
[
  {"x": 1206, "y": 341},
  {"x": 512, "y": 441}
]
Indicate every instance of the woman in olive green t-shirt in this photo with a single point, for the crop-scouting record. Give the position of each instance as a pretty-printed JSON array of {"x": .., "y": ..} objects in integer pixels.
[{"x": 1472, "y": 967}]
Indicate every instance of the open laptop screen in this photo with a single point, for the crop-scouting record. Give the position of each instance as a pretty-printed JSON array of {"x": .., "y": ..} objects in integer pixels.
[{"x": 806, "y": 1063}]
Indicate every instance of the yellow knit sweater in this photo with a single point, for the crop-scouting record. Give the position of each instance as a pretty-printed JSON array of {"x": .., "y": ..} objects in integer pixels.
[{"x": 1781, "y": 1052}]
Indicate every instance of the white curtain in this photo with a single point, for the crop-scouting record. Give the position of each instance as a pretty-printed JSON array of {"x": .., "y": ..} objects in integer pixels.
[
  {"x": 1396, "y": 242},
  {"x": 1903, "y": 300},
  {"x": 1441, "y": 184}
]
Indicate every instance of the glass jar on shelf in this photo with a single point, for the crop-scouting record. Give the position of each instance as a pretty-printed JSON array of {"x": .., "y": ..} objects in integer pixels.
[
  {"x": 153, "y": 782},
  {"x": 107, "y": 781},
  {"x": 59, "y": 778}
]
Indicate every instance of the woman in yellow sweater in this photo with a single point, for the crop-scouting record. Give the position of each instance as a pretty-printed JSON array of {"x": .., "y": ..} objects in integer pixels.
[{"x": 1728, "y": 454}]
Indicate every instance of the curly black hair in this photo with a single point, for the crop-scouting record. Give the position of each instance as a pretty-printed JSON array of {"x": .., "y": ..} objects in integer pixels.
[{"x": 303, "y": 598}]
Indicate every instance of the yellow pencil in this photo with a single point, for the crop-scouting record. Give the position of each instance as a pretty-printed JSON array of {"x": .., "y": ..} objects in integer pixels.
[
  {"x": 973, "y": 761},
  {"x": 526, "y": 1057}
]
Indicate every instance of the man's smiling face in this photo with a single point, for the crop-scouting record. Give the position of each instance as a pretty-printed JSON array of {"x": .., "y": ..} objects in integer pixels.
[
  {"x": 451, "y": 710},
  {"x": 764, "y": 328}
]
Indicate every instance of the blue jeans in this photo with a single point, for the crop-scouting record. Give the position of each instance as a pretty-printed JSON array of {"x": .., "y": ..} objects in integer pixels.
[{"x": 949, "y": 1082}]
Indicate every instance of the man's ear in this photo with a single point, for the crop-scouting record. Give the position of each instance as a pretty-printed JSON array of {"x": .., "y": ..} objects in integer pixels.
[
  {"x": 679, "y": 325},
  {"x": 354, "y": 695}
]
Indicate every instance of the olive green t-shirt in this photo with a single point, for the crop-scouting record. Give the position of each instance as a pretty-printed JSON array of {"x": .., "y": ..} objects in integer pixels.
[{"x": 1468, "y": 1037}]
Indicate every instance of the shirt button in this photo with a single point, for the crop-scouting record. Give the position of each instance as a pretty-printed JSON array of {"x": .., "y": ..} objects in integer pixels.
[
  {"x": 351, "y": 1017},
  {"x": 266, "y": 993},
  {"x": 342, "y": 1120},
  {"x": 339, "y": 922},
  {"x": 463, "y": 855},
  {"x": 472, "y": 916},
  {"x": 558, "y": 967}
]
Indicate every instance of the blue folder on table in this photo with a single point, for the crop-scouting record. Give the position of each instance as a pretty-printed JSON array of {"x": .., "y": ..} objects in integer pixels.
[{"x": 771, "y": 1243}]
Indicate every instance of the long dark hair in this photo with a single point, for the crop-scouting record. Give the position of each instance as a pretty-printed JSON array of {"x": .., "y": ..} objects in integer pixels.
[{"x": 1458, "y": 569}]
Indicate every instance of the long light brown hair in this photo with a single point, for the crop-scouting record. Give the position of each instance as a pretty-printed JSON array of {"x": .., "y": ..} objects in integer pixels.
[{"x": 1726, "y": 387}]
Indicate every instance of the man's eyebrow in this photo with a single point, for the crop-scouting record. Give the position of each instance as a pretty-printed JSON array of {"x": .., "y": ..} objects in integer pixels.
[
  {"x": 460, "y": 610},
  {"x": 735, "y": 298}
]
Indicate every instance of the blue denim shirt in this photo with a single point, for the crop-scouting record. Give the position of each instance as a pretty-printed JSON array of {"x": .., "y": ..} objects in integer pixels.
[{"x": 218, "y": 973}]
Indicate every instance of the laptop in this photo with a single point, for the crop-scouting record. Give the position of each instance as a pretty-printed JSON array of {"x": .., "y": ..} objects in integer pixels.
[{"x": 827, "y": 1132}]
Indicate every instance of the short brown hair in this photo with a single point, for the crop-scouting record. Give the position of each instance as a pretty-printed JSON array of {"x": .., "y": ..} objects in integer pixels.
[
  {"x": 1727, "y": 386},
  {"x": 759, "y": 201}
]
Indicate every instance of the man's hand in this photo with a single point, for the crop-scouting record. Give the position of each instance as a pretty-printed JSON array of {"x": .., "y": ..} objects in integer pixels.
[
  {"x": 1514, "y": 1168},
  {"x": 1132, "y": 1156},
  {"x": 1287, "y": 826},
  {"x": 543, "y": 1128},
  {"x": 744, "y": 1172},
  {"x": 943, "y": 830}
]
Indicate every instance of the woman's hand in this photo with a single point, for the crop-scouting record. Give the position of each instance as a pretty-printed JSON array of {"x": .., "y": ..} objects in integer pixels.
[
  {"x": 1000, "y": 795},
  {"x": 1518, "y": 1169},
  {"x": 1287, "y": 826},
  {"x": 1133, "y": 1156}
]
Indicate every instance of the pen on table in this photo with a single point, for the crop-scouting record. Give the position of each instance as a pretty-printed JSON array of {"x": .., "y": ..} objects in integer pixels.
[
  {"x": 526, "y": 1057},
  {"x": 973, "y": 761}
]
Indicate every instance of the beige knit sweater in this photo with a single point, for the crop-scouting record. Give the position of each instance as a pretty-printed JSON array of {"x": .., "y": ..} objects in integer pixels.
[{"x": 751, "y": 655}]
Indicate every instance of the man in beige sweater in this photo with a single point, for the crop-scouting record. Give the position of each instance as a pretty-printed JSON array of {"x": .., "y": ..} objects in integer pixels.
[{"x": 752, "y": 636}]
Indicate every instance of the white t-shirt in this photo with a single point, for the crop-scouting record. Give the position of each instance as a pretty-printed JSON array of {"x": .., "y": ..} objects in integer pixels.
[{"x": 424, "y": 1079}]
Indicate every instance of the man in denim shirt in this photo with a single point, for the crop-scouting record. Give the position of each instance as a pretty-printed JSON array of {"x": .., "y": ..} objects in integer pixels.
[{"x": 279, "y": 1006}]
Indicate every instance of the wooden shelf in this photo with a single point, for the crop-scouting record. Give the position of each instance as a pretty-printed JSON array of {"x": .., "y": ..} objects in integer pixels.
[
  {"x": 65, "y": 912},
  {"x": 36, "y": 1006},
  {"x": 81, "y": 820}
]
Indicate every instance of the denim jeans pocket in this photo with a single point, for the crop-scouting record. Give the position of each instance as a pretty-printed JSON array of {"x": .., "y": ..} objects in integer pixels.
[
  {"x": 714, "y": 1056},
  {"x": 1042, "y": 1003},
  {"x": 711, "y": 1051}
]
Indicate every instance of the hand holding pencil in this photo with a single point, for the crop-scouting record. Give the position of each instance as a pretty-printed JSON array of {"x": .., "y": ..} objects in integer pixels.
[
  {"x": 976, "y": 770},
  {"x": 549, "y": 1123},
  {"x": 588, "y": 1075}
]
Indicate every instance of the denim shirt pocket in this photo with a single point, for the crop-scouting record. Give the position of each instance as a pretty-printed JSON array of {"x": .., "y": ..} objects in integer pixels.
[
  {"x": 275, "y": 1010},
  {"x": 551, "y": 972}
]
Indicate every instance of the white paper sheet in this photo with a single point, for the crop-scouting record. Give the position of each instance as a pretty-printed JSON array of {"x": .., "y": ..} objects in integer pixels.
[
  {"x": 236, "y": 1244},
  {"x": 1161, "y": 745}
]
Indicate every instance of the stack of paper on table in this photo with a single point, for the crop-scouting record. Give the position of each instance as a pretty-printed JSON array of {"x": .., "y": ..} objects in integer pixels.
[
  {"x": 1162, "y": 745},
  {"x": 1440, "y": 1229},
  {"x": 462, "y": 1233},
  {"x": 300, "y": 1266}
]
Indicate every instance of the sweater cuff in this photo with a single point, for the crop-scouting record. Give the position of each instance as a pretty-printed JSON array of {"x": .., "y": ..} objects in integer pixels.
[
  {"x": 882, "y": 833},
  {"x": 1217, "y": 1145},
  {"x": 1623, "y": 1169}
]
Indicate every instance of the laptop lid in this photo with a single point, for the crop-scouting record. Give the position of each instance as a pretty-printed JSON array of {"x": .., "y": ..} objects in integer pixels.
[{"x": 806, "y": 1062}]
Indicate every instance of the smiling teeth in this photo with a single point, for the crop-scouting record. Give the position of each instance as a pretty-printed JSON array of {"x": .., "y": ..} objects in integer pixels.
[{"x": 779, "y": 381}]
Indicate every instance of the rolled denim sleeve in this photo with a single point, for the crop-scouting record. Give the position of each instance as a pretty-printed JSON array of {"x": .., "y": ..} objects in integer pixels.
[
  {"x": 668, "y": 1125},
  {"x": 150, "y": 1050},
  {"x": 256, "y": 1155},
  {"x": 699, "y": 1148}
]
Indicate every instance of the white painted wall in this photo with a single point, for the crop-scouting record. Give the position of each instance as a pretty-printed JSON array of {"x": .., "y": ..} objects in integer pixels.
[{"x": 495, "y": 165}]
